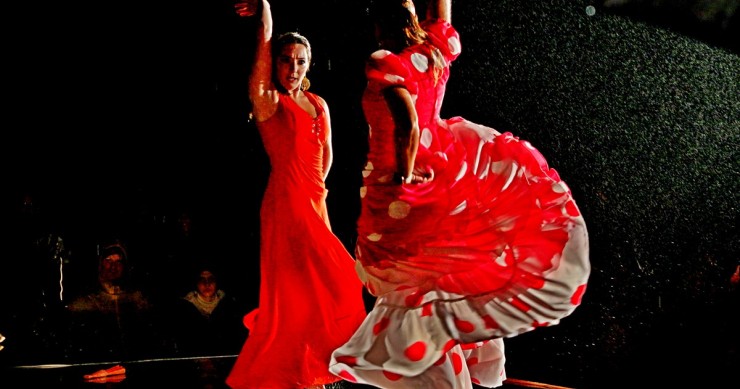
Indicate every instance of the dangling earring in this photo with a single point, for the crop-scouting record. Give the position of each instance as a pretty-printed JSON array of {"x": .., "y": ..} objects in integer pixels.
[{"x": 305, "y": 84}]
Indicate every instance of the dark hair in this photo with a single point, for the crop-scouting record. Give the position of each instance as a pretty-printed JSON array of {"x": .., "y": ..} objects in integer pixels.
[
  {"x": 202, "y": 266},
  {"x": 283, "y": 40},
  {"x": 398, "y": 25},
  {"x": 396, "y": 22},
  {"x": 113, "y": 247}
]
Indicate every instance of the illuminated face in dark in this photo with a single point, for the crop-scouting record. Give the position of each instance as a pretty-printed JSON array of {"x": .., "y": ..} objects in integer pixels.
[{"x": 292, "y": 65}]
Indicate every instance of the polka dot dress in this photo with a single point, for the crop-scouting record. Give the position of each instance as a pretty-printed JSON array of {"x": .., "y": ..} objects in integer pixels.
[{"x": 493, "y": 247}]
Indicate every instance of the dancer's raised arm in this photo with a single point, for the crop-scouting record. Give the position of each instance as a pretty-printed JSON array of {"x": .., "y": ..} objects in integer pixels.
[
  {"x": 440, "y": 9},
  {"x": 262, "y": 92}
]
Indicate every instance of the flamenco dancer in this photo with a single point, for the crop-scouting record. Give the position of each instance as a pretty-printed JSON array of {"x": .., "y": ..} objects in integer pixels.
[{"x": 465, "y": 236}]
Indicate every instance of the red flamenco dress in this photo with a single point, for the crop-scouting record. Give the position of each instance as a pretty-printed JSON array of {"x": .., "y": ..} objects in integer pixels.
[
  {"x": 493, "y": 247},
  {"x": 310, "y": 298}
]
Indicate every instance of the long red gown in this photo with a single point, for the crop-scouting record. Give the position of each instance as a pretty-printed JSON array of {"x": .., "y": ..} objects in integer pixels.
[
  {"x": 310, "y": 298},
  {"x": 493, "y": 247}
]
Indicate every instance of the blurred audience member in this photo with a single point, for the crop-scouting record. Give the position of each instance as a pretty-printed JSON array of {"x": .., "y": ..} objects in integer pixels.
[
  {"x": 113, "y": 293},
  {"x": 116, "y": 320},
  {"x": 207, "y": 320}
]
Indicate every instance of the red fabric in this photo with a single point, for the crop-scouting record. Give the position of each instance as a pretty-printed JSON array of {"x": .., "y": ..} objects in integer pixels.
[
  {"x": 493, "y": 247},
  {"x": 310, "y": 298}
]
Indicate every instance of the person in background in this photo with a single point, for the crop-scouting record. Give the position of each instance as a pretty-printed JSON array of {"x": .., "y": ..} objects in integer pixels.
[
  {"x": 114, "y": 291},
  {"x": 310, "y": 301},
  {"x": 465, "y": 236},
  {"x": 206, "y": 320},
  {"x": 115, "y": 320}
]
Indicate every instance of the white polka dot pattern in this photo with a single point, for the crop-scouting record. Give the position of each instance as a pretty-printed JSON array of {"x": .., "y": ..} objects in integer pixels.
[
  {"x": 426, "y": 138},
  {"x": 399, "y": 209},
  {"x": 420, "y": 62},
  {"x": 453, "y": 43},
  {"x": 492, "y": 247}
]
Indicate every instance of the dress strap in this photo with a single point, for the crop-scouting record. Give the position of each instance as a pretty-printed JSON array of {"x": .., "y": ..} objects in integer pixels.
[{"x": 315, "y": 102}]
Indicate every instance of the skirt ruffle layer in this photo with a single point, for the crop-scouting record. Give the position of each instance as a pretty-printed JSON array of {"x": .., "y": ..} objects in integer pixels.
[{"x": 493, "y": 247}]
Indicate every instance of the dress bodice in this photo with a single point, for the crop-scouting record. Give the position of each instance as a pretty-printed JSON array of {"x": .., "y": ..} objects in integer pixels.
[
  {"x": 414, "y": 69},
  {"x": 293, "y": 140}
]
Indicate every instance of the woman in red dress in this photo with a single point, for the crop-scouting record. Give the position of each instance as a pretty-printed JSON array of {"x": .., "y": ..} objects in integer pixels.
[
  {"x": 466, "y": 236},
  {"x": 310, "y": 299}
]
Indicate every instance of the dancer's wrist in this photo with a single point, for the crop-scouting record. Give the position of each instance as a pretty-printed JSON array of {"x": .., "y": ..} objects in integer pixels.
[{"x": 398, "y": 178}]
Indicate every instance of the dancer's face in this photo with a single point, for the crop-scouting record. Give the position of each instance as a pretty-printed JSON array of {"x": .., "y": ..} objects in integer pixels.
[{"x": 292, "y": 65}]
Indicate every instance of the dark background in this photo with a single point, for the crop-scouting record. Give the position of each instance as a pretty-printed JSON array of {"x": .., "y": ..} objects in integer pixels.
[{"x": 121, "y": 116}]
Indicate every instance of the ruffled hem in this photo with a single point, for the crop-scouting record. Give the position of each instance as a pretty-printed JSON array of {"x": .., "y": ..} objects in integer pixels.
[
  {"x": 500, "y": 249},
  {"x": 459, "y": 367},
  {"x": 407, "y": 332}
]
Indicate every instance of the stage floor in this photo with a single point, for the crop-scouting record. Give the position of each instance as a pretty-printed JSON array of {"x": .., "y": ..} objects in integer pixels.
[{"x": 180, "y": 373}]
